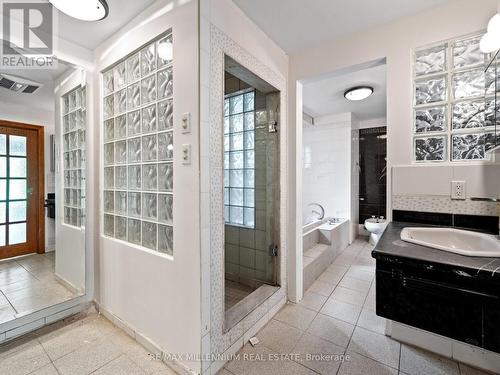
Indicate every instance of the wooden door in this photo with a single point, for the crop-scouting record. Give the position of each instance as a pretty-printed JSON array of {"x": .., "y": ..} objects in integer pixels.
[{"x": 22, "y": 223}]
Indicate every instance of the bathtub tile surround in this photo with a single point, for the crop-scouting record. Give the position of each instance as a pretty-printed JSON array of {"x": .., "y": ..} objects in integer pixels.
[{"x": 330, "y": 167}]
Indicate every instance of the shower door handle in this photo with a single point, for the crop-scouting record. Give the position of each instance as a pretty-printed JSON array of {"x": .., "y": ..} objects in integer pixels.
[{"x": 274, "y": 250}]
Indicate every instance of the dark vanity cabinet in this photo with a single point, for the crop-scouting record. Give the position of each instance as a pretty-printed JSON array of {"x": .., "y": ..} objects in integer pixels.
[{"x": 458, "y": 303}]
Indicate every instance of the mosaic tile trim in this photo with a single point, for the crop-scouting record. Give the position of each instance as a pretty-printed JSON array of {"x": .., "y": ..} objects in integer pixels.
[
  {"x": 469, "y": 207},
  {"x": 221, "y": 44},
  {"x": 444, "y": 204}
]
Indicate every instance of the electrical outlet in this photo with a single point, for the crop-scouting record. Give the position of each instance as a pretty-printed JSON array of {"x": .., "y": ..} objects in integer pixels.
[
  {"x": 458, "y": 190},
  {"x": 186, "y": 123},
  {"x": 186, "y": 154}
]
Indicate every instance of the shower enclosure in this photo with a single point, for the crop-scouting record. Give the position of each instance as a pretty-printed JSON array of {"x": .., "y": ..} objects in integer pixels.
[{"x": 251, "y": 183}]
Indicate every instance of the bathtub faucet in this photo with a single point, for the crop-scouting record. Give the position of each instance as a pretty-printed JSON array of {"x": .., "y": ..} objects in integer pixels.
[{"x": 320, "y": 214}]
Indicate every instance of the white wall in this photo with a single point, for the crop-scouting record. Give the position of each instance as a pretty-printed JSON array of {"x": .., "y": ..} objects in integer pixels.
[
  {"x": 156, "y": 295},
  {"x": 394, "y": 41}
]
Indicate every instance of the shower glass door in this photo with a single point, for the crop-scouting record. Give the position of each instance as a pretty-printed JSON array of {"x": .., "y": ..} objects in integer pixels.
[{"x": 251, "y": 183}]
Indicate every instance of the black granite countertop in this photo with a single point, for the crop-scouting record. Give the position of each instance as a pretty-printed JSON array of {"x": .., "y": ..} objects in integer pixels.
[{"x": 391, "y": 245}]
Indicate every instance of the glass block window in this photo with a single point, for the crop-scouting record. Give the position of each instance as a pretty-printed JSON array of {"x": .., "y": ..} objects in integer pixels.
[
  {"x": 239, "y": 159},
  {"x": 138, "y": 147},
  {"x": 453, "y": 102},
  {"x": 74, "y": 115}
]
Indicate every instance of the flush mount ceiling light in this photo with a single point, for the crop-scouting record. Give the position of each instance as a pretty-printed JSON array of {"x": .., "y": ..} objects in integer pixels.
[
  {"x": 358, "y": 93},
  {"x": 85, "y": 10},
  {"x": 490, "y": 41}
]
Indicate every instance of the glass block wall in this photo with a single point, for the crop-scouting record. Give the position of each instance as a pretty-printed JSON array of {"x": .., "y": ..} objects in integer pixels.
[
  {"x": 138, "y": 147},
  {"x": 239, "y": 159},
  {"x": 74, "y": 115},
  {"x": 453, "y": 102}
]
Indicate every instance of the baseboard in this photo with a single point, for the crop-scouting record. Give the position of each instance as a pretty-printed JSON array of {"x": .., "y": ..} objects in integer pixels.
[
  {"x": 68, "y": 285},
  {"x": 144, "y": 341}
]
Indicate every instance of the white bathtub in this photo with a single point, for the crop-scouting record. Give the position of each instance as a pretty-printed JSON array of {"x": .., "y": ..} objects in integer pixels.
[{"x": 322, "y": 224}]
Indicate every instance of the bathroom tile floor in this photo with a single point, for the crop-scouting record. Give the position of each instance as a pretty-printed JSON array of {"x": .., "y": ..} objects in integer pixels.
[
  {"x": 337, "y": 317},
  {"x": 80, "y": 345},
  {"x": 28, "y": 284}
]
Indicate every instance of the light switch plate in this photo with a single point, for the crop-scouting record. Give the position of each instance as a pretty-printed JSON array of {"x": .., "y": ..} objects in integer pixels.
[
  {"x": 186, "y": 154},
  {"x": 186, "y": 123},
  {"x": 458, "y": 190}
]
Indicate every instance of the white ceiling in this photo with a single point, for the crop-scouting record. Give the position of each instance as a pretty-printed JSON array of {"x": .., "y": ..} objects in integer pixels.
[
  {"x": 298, "y": 24},
  {"x": 325, "y": 96},
  {"x": 43, "y": 98},
  {"x": 91, "y": 34}
]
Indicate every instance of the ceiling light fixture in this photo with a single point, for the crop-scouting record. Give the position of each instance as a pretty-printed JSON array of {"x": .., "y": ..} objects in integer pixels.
[
  {"x": 85, "y": 10},
  {"x": 490, "y": 41},
  {"x": 358, "y": 93}
]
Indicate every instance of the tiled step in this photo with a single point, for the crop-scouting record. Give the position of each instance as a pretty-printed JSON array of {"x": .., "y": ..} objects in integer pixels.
[
  {"x": 315, "y": 261},
  {"x": 315, "y": 251}
]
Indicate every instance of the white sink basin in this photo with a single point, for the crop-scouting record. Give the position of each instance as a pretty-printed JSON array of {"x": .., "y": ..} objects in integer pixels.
[{"x": 457, "y": 241}]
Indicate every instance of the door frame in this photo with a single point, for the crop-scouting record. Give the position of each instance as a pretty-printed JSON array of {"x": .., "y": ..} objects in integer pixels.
[{"x": 40, "y": 207}]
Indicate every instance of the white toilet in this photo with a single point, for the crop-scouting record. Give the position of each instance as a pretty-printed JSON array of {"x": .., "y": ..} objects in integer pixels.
[{"x": 376, "y": 228}]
